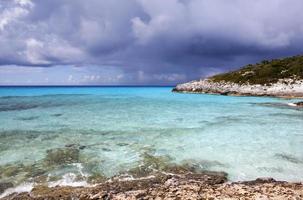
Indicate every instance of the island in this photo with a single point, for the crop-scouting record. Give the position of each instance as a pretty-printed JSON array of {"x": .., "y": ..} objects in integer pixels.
[{"x": 278, "y": 78}]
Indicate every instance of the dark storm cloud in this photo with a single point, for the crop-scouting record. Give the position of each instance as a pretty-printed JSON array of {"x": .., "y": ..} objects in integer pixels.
[{"x": 150, "y": 41}]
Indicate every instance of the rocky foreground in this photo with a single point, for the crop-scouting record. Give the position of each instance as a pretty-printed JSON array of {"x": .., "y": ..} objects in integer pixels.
[
  {"x": 207, "y": 185},
  {"x": 283, "y": 88}
]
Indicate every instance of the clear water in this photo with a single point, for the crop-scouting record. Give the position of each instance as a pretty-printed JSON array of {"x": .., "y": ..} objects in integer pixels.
[{"x": 247, "y": 137}]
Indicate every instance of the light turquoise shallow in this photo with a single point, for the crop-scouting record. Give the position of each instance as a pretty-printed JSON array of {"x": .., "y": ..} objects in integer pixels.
[{"x": 247, "y": 137}]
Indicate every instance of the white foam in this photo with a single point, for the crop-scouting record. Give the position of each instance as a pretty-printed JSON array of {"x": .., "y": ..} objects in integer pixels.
[
  {"x": 80, "y": 169},
  {"x": 291, "y": 104},
  {"x": 26, "y": 187},
  {"x": 68, "y": 179}
]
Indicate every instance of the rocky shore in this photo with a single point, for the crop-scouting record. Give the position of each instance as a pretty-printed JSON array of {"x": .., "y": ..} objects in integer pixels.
[
  {"x": 206, "y": 185},
  {"x": 299, "y": 104},
  {"x": 283, "y": 88}
]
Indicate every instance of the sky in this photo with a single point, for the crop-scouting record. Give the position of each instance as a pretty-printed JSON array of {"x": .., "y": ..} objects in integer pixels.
[{"x": 141, "y": 42}]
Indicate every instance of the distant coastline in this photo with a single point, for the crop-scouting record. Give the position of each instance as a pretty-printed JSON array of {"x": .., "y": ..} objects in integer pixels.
[
  {"x": 284, "y": 88},
  {"x": 54, "y": 86},
  {"x": 276, "y": 78}
]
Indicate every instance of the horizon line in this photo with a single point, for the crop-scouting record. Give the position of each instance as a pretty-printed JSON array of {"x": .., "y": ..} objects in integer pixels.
[{"x": 87, "y": 85}]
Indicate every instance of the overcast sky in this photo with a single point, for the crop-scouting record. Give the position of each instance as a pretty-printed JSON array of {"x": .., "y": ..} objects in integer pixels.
[{"x": 141, "y": 41}]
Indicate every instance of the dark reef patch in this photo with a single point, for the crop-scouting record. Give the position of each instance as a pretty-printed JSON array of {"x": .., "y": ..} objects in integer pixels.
[
  {"x": 10, "y": 170},
  {"x": 61, "y": 156},
  {"x": 17, "y": 107},
  {"x": 20, "y": 106},
  {"x": 288, "y": 158},
  {"x": 151, "y": 164},
  {"x": 79, "y": 146},
  {"x": 106, "y": 149},
  {"x": 222, "y": 121},
  {"x": 122, "y": 144},
  {"x": 296, "y": 115},
  {"x": 57, "y": 115},
  {"x": 5, "y": 185},
  {"x": 198, "y": 166},
  {"x": 277, "y": 105},
  {"x": 28, "y": 118},
  {"x": 32, "y": 102},
  {"x": 20, "y": 134}
]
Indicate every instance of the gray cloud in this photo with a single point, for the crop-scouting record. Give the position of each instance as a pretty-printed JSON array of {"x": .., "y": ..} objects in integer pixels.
[{"x": 150, "y": 41}]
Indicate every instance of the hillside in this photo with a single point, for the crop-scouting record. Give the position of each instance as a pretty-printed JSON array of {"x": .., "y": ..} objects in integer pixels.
[
  {"x": 278, "y": 77},
  {"x": 265, "y": 72}
]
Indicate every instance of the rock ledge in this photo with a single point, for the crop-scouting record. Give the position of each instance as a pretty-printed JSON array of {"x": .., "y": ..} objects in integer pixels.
[
  {"x": 283, "y": 88},
  {"x": 171, "y": 186}
]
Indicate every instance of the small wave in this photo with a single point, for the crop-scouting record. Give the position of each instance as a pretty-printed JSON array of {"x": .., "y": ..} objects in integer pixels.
[
  {"x": 69, "y": 179},
  {"x": 26, "y": 187},
  {"x": 292, "y": 104},
  {"x": 128, "y": 177}
]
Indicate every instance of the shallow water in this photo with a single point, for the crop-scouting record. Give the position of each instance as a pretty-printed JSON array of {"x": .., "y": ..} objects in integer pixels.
[{"x": 94, "y": 132}]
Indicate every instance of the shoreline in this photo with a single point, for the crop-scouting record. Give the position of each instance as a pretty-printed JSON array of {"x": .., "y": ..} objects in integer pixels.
[
  {"x": 285, "y": 88},
  {"x": 238, "y": 95},
  {"x": 206, "y": 185}
]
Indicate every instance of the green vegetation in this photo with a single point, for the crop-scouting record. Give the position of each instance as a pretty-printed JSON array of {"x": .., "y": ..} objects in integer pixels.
[{"x": 265, "y": 72}]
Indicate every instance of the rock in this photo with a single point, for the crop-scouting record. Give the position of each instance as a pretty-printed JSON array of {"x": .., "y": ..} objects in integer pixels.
[
  {"x": 178, "y": 186},
  {"x": 299, "y": 104},
  {"x": 82, "y": 147},
  {"x": 62, "y": 156},
  {"x": 5, "y": 185},
  {"x": 150, "y": 164},
  {"x": 260, "y": 181}
]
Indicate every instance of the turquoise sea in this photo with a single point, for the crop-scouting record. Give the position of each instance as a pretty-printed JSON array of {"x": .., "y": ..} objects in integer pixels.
[{"x": 83, "y": 134}]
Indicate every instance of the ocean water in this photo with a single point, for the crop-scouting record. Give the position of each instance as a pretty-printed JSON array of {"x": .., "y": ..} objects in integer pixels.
[{"x": 81, "y": 134}]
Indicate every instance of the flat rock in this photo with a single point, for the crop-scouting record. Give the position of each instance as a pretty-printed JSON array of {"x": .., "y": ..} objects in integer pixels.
[{"x": 172, "y": 186}]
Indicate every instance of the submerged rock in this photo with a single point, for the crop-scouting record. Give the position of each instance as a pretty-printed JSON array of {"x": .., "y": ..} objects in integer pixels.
[
  {"x": 96, "y": 178},
  {"x": 28, "y": 118},
  {"x": 150, "y": 164},
  {"x": 288, "y": 158},
  {"x": 17, "y": 107},
  {"x": 57, "y": 115},
  {"x": 122, "y": 144},
  {"x": 5, "y": 185},
  {"x": 153, "y": 165},
  {"x": 299, "y": 104},
  {"x": 11, "y": 170},
  {"x": 62, "y": 156},
  {"x": 200, "y": 166},
  {"x": 18, "y": 173},
  {"x": 81, "y": 147}
]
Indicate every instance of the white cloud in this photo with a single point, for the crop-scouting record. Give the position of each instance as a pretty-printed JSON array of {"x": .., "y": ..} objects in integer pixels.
[
  {"x": 33, "y": 51},
  {"x": 10, "y": 15},
  {"x": 28, "y": 3}
]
